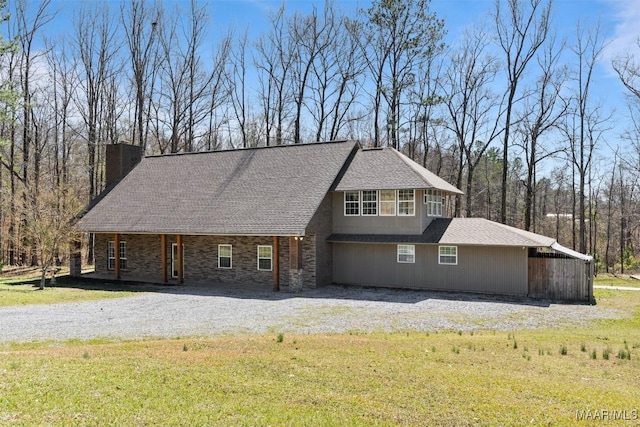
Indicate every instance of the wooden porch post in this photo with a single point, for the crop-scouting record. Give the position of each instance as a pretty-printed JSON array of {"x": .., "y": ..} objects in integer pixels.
[
  {"x": 276, "y": 264},
  {"x": 163, "y": 256},
  {"x": 116, "y": 254},
  {"x": 180, "y": 260}
]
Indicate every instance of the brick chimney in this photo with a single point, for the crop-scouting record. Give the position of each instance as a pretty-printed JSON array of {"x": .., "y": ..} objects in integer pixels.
[{"x": 120, "y": 159}]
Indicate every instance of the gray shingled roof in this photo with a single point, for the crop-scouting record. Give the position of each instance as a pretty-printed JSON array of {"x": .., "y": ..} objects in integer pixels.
[
  {"x": 457, "y": 231},
  {"x": 386, "y": 168},
  {"x": 264, "y": 191}
]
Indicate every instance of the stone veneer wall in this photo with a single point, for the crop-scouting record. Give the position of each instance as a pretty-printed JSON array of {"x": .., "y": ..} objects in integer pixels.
[
  {"x": 200, "y": 258},
  {"x": 319, "y": 254}
]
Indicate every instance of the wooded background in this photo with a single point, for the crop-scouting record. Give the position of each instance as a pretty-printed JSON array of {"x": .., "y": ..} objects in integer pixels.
[{"x": 507, "y": 113}]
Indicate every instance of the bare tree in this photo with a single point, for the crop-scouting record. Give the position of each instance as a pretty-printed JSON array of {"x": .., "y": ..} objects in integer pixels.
[
  {"x": 338, "y": 72},
  {"x": 628, "y": 70},
  {"x": 273, "y": 60},
  {"x": 189, "y": 91},
  {"x": 521, "y": 30},
  {"x": 542, "y": 112},
  {"x": 311, "y": 35},
  {"x": 474, "y": 113},
  {"x": 236, "y": 83},
  {"x": 587, "y": 121},
  {"x": 50, "y": 224},
  {"x": 140, "y": 22},
  {"x": 96, "y": 47}
]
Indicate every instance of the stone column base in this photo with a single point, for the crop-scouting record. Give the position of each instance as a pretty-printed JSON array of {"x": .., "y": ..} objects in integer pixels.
[{"x": 296, "y": 280}]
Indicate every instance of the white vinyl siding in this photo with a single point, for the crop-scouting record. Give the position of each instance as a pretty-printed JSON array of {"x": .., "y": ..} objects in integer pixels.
[
  {"x": 265, "y": 261},
  {"x": 448, "y": 255},
  {"x": 225, "y": 256},
  {"x": 406, "y": 254}
]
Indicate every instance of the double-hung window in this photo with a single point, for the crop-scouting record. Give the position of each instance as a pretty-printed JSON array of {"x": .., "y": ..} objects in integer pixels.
[
  {"x": 406, "y": 202},
  {"x": 224, "y": 256},
  {"x": 387, "y": 202},
  {"x": 352, "y": 203},
  {"x": 434, "y": 200},
  {"x": 370, "y": 203},
  {"x": 111, "y": 255},
  {"x": 265, "y": 258},
  {"x": 448, "y": 255},
  {"x": 406, "y": 254}
]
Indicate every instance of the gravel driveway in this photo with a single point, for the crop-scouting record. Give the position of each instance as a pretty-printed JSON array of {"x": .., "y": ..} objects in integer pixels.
[{"x": 196, "y": 311}]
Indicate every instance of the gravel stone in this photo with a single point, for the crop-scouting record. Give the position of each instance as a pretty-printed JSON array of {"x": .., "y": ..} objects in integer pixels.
[{"x": 186, "y": 311}]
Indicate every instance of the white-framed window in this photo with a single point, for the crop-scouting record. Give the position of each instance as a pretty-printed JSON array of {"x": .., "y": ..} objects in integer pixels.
[
  {"x": 369, "y": 203},
  {"x": 387, "y": 202},
  {"x": 406, "y": 254},
  {"x": 111, "y": 255},
  {"x": 406, "y": 202},
  {"x": 224, "y": 256},
  {"x": 265, "y": 257},
  {"x": 434, "y": 200},
  {"x": 448, "y": 255},
  {"x": 352, "y": 203}
]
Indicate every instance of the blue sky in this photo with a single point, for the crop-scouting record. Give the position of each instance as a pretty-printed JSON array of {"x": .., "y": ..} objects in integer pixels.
[{"x": 619, "y": 20}]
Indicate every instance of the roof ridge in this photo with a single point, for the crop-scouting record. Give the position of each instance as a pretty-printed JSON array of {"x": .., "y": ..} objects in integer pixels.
[{"x": 264, "y": 147}]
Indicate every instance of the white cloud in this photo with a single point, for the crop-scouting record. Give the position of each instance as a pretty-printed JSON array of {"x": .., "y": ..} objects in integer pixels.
[{"x": 625, "y": 16}]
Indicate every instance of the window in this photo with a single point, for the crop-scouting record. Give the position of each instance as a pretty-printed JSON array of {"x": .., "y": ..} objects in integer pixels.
[
  {"x": 265, "y": 258},
  {"x": 406, "y": 254},
  {"x": 387, "y": 202},
  {"x": 174, "y": 260},
  {"x": 111, "y": 255},
  {"x": 406, "y": 202},
  {"x": 224, "y": 256},
  {"x": 448, "y": 255},
  {"x": 434, "y": 200},
  {"x": 370, "y": 202},
  {"x": 352, "y": 203}
]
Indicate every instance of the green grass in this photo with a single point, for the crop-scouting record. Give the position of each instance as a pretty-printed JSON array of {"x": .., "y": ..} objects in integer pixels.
[
  {"x": 23, "y": 290},
  {"x": 609, "y": 280},
  {"x": 409, "y": 378}
]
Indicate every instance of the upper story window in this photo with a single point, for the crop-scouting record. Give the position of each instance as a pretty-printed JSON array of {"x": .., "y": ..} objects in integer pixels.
[
  {"x": 434, "y": 200},
  {"x": 352, "y": 203},
  {"x": 370, "y": 202},
  {"x": 406, "y": 202},
  {"x": 387, "y": 202},
  {"x": 380, "y": 203}
]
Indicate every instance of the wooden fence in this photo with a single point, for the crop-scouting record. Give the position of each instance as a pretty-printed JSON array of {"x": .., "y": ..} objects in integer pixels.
[{"x": 563, "y": 279}]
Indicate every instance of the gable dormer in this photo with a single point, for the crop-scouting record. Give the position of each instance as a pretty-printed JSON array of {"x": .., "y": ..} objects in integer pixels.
[{"x": 384, "y": 192}]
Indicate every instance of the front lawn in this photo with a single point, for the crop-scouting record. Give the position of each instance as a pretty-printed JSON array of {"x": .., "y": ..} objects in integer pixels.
[
  {"x": 561, "y": 376},
  {"x": 23, "y": 289}
]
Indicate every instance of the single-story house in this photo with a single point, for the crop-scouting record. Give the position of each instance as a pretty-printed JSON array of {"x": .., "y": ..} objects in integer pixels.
[{"x": 302, "y": 216}]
